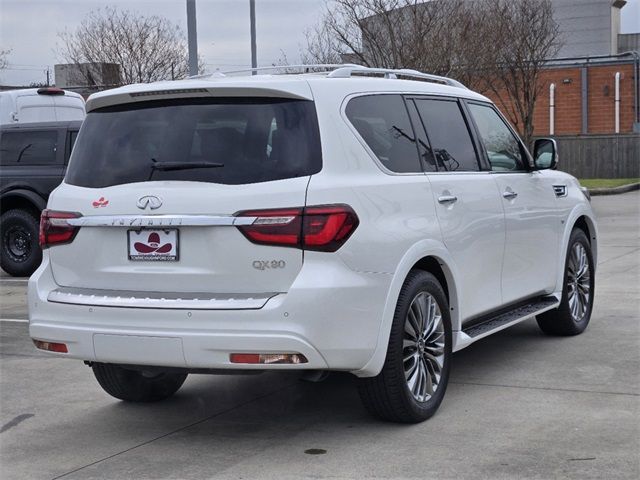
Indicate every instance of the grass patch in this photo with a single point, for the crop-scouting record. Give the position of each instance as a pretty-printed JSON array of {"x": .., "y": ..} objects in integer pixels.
[{"x": 607, "y": 182}]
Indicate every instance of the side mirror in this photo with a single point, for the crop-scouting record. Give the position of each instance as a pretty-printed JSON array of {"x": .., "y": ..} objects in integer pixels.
[{"x": 545, "y": 154}]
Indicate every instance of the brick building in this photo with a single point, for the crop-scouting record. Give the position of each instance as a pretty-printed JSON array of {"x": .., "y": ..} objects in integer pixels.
[{"x": 584, "y": 98}]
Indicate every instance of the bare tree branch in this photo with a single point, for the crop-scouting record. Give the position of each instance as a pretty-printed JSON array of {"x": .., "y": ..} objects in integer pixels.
[
  {"x": 147, "y": 48},
  {"x": 496, "y": 47}
]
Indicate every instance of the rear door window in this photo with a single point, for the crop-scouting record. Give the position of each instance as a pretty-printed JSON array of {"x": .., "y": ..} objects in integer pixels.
[
  {"x": 224, "y": 140},
  {"x": 448, "y": 134},
  {"x": 383, "y": 123},
  {"x": 29, "y": 147}
]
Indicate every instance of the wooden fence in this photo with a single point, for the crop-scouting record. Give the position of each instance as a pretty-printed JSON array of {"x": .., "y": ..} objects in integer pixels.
[{"x": 600, "y": 156}]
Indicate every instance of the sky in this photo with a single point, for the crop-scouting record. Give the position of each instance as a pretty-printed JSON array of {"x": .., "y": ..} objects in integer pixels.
[{"x": 30, "y": 29}]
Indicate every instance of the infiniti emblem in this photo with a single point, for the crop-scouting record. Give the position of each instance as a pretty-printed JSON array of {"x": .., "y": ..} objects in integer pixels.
[{"x": 150, "y": 201}]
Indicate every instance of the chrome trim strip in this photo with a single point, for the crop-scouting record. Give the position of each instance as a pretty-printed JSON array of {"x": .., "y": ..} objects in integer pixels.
[
  {"x": 173, "y": 300},
  {"x": 159, "y": 221}
]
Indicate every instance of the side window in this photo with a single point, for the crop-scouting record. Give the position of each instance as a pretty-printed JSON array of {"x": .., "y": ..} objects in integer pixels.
[
  {"x": 503, "y": 148},
  {"x": 73, "y": 134},
  {"x": 29, "y": 148},
  {"x": 72, "y": 138},
  {"x": 448, "y": 134},
  {"x": 383, "y": 122}
]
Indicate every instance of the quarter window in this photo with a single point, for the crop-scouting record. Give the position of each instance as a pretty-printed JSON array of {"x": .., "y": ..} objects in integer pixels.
[
  {"x": 29, "y": 148},
  {"x": 383, "y": 123},
  {"x": 448, "y": 134},
  {"x": 503, "y": 148}
]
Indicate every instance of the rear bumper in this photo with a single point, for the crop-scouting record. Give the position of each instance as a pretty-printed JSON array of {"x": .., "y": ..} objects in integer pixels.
[{"x": 331, "y": 315}]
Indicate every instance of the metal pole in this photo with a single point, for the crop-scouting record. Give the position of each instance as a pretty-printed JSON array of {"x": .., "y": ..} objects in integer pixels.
[
  {"x": 252, "y": 15},
  {"x": 584, "y": 95},
  {"x": 192, "y": 37}
]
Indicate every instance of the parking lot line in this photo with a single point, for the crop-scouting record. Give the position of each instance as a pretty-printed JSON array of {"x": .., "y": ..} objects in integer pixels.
[{"x": 15, "y": 320}]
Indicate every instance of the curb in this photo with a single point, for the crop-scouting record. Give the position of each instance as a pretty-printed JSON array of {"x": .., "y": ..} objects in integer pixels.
[{"x": 615, "y": 190}]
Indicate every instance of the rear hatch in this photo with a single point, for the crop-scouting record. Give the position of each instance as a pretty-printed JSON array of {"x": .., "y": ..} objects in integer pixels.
[{"x": 159, "y": 185}]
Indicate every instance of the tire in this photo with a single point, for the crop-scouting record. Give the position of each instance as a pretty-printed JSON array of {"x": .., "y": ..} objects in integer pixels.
[
  {"x": 388, "y": 395},
  {"x": 134, "y": 385},
  {"x": 20, "y": 253},
  {"x": 578, "y": 289}
]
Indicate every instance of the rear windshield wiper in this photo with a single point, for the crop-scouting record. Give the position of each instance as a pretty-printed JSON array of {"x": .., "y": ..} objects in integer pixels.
[{"x": 168, "y": 166}]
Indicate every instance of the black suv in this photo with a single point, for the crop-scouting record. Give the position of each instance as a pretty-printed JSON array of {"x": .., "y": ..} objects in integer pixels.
[{"x": 33, "y": 160}]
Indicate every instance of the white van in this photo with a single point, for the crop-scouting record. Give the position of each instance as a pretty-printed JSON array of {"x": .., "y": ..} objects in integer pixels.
[{"x": 47, "y": 104}]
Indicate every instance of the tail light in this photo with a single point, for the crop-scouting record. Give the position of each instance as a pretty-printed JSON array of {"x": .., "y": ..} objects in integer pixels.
[
  {"x": 55, "y": 228},
  {"x": 322, "y": 228}
]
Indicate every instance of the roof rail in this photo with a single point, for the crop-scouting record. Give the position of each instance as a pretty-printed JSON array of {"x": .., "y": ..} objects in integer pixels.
[
  {"x": 347, "y": 71},
  {"x": 320, "y": 66},
  {"x": 344, "y": 70}
]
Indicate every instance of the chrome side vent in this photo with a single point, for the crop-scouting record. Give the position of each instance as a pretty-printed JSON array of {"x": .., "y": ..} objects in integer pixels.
[{"x": 560, "y": 190}]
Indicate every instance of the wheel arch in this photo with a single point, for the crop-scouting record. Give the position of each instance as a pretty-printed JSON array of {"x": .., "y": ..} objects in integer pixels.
[
  {"x": 427, "y": 255},
  {"x": 581, "y": 217},
  {"x": 22, "y": 199}
]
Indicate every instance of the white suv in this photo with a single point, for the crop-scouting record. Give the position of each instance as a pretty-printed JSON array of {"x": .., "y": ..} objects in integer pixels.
[{"x": 362, "y": 220}]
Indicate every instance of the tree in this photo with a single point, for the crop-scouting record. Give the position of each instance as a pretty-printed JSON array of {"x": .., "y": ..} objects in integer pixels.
[
  {"x": 147, "y": 48},
  {"x": 496, "y": 47},
  {"x": 514, "y": 78},
  {"x": 386, "y": 33}
]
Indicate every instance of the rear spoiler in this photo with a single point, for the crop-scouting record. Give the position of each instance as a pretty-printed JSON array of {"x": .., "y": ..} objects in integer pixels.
[{"x": 204, "y": 89}]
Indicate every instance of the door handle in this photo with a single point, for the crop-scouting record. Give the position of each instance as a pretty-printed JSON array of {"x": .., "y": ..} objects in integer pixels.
[
  {"x": 509, "y": 195},
  {"x": 444, "y": 199}
]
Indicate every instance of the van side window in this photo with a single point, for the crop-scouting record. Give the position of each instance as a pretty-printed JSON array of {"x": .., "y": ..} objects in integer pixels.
[
  {"x": 29, "y": 148},
  {"x": 448, "y": 134},
  {"x": 503, "y": 148},
  {"x": 383, "y": 123}
]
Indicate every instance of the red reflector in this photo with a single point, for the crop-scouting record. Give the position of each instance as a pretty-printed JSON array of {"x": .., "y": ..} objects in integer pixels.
[
  {"x": 50, "y": 91},
  {"x": 51, "y": 346},
  {"x": 268, "y": 358},
  {"x": 55, "y": 229},
  {"x": 321, "y": 228},
  {"x": 244, "y": 358}
]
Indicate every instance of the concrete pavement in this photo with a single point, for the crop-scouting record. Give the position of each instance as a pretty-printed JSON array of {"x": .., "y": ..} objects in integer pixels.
[{"x": 519, "y": 405}]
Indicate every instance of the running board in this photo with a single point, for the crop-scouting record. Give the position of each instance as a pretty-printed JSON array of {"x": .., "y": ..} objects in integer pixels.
[{"x": 503, "y": 320}]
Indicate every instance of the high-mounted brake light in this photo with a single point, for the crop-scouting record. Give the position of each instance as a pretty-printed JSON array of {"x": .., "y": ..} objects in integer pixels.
[
  {"x": 322, "y": 228},
  {"x": 55, "y": 228},
  {"x": 50, "y": 91}
]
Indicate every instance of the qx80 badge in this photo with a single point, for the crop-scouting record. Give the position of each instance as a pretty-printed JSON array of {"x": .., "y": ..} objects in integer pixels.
[{"x": 268, "y": 264}]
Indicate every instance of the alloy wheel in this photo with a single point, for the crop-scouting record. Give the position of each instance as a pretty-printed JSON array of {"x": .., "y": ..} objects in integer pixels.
[
  {"x": 423, "y": 346},
  {"x": 578, "y": 282}
]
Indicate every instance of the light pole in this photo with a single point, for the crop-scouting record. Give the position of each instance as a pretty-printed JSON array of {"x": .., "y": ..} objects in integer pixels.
[
  {"x": 252, "y": 16},
  {"x": 192, "y": 36}
]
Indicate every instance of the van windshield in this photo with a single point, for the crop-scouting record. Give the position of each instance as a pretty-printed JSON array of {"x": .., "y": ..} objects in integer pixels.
[{"x": 224, "y": 140}]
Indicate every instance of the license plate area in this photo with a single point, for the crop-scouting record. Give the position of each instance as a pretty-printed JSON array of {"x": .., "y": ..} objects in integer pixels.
[{"x": 153, "y": 245}]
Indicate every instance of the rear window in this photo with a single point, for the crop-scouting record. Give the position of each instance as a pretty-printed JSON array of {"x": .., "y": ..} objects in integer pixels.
[{"x": 225, "y": 140}]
